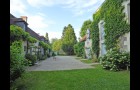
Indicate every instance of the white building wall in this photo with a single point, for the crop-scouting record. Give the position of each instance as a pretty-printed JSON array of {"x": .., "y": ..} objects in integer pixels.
[
  {"x": 125, "y": 39},
  {"x": 101, "y": 38},
  {"x": 126, "y": 10},
  {"x": 24, "y": 47}
]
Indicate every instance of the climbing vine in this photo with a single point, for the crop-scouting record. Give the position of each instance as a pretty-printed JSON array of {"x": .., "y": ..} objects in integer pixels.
[
  {"x": 17, "y": 33},
  {"x": 79, "y": 49},
  {"x": 31, "y": 39},
  {"x": 115, "y": 26},
  {"x": 44, "y": 45}
]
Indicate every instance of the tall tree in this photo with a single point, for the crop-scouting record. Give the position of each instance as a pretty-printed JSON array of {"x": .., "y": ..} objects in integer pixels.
[
  {"x": 69, "y": 39},
  {"x": 63, "y": 32},
  {"x": 47, "y": 37},
  {"x": 86, "y": 25}
]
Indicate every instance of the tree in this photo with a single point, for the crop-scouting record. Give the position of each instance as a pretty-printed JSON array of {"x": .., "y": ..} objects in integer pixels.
[
  {"x": 86, "y": 25},
  {"x": 53, "y": 40},
  {"x": 79, "y": 49},
  {"x": 63, "y": 32},
  {"x": 47, "y": 37},
  {"x": 68, "y": 40},
  {"x": 56, "y": 46}
]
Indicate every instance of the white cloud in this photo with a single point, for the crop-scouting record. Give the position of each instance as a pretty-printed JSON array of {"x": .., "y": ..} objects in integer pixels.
[
  {"x": 40, "y": 3},
  {"x": 90, "y": 3},
  {"x": 53, "y": 34},
  {"x": 39, "y": 23},
  {"x": 77, "y": 32},
  {"x": 78, "y": 7},
  {"x": 17, "y": 6}
]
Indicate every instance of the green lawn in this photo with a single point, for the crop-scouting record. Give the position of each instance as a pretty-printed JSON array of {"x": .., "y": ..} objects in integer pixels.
[
  {"x": 85, "y": 60},
  {"x": 85, "y": 79}
]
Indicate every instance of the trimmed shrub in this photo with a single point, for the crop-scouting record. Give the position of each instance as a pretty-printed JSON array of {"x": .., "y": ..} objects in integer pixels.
[
  {"x": 115, "y": 60},
  {"x": 16, "y": 61},
  {"x": 32, "y": 58}
]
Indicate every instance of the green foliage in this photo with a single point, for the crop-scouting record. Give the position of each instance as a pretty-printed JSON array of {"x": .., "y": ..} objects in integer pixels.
[
  {"x": 68, "y": 40},
  {"x": 16, "y": 60},
  {"x": 79, "y": 49},
  {"x": 43, "y": 57},
  {"x": 25, "y": 36},
  {"x": 32, "y": 58},
  {"x": 115, "y": 25},
  {"x": 17, "y": 33},
  {"x": 39, "y": 55},
  {"x": 57, "y": 45},
  {"x": 115, "y": 60},
  {"x": 47, "y": 37},
  {"x": 53, "y": 40},
  {"x": 63, "y": 33},
  {"x": 32, "y": 39},
  {"x": 86, "y": 25},
  {"x": 44, "y": 45}
]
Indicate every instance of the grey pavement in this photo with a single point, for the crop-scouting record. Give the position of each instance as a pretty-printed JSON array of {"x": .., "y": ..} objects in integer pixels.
[{"x": 61, "y": 63}]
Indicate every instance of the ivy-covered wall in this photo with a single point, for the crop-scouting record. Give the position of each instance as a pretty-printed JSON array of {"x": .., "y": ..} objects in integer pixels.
[{"x": 111, "y": 11}]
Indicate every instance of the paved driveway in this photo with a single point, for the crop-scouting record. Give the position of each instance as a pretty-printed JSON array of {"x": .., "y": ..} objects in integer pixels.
[{"x": 61, "y": 63}]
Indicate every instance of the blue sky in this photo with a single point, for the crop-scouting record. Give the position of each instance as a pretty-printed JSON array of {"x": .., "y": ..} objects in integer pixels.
[{"x": 52, "y": 15}]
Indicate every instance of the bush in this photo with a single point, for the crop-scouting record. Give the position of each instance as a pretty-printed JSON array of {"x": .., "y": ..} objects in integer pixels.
[
  {"x": 115, "y": 60},
  {"x": 27, "y": 62},
  {"x": 43, "y": 57},
  {"x": 79, "y": 49},
  {"x": 48, "y": 55},
  {"x": 16, "y": 61},
  {"x": 39, "y": 55},
  {"x": 32, "y": 58}
]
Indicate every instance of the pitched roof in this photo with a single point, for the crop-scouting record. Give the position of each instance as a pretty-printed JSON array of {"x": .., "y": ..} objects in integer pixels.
[
  {"x": 33, "y": 34},
  {"x": 44, "y": 39},
  {"x": 12, "y": 16},
  {"x": 14, "y": 20}
]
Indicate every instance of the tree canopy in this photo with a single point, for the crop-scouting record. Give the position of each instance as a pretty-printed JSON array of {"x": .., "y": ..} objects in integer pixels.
[{"x": 68, "y": 40}]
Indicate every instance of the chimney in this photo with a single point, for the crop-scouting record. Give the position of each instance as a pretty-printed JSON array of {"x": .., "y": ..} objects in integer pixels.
[{"x": 24, "y": 18}]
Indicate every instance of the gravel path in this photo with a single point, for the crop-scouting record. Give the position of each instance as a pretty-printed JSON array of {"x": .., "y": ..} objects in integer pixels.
[{"x": 61, "y": 63}]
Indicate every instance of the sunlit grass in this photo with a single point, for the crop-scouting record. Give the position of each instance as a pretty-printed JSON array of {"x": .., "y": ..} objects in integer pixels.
[{"x": 84, "y": 79}]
